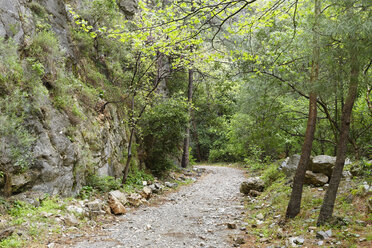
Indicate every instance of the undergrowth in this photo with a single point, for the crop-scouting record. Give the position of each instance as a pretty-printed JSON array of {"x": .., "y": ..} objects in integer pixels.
[{"x": 350, "y": 223}]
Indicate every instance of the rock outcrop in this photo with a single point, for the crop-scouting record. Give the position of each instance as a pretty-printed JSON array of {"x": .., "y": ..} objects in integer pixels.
[
  {"x": 316, "y": 179},
  {"x": 64, "y": 145},
  {"x": 252, "y": 183},
  {"x": 319, "y": 169},
  {"x": 115, "y": 205},
  {"x": 323, "y": 164}
]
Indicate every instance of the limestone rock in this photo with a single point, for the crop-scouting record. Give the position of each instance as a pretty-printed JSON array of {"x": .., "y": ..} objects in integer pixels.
[
  {"x": 323, "y": 164},
  {"x": 289, "y": 165},
  {"x": 31, "y": 197},
  {"x": 75, "y": 209},
  {"x": 135, "y": 199},
  {"x": 115, "y": 205},
  {"x": 316, "y": 179},
  {"x": 239, "y": 240},
  {"x": 260, "y": 216},
  {"x": 71, "y": 220},
  {"x": 324, "y": 235},
  {"x": 171, "y": 185},
  {"x": 129, "y": 7},
  {"x": 21, "y": 182},
  {"x": 119, "y": 196},
  {"x": 95, "y": 205},
  {"x": 156, "y": 188},
  {"x": 252, "y": 183},
  {"x": 254, "y": 193},
  {"x": 146, "y": 192}
]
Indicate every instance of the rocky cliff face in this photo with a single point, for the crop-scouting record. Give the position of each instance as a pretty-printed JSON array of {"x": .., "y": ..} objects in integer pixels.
[{"x": 62, "y": 146}]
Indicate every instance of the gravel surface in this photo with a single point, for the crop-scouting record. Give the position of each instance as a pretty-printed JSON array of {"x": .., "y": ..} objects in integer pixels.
[{"x": 195, "y": 216}]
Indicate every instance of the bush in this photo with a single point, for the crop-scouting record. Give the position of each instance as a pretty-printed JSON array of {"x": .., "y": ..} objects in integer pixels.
[
  {"x": 102, "y": 183},
  {"x": 272, "y": 174},
  {"x": 163, "y": 131},
  {"x": 136, "y": 176}
]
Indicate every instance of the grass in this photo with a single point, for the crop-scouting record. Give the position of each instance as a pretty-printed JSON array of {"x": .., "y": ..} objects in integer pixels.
[
  {"x": 32, "y": 222},
  {"x": 350, "y": 206}
]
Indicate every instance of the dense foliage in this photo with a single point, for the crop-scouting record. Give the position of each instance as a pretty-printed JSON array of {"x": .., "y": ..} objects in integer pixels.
[{"x": 252, "y": 65}]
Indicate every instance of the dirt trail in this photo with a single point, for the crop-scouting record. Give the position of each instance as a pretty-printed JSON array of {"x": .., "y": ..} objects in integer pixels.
[{"x": 195, "y": 216}]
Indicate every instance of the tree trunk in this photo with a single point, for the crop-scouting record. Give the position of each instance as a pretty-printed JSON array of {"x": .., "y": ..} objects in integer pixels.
[
  {"x": 129, "y": 156},
  {"x": 294, "y": 204},
  {"x": 326, "y": 210},
  {"x": 186, "y": 141},
  {"x": 8, "y": 184}
]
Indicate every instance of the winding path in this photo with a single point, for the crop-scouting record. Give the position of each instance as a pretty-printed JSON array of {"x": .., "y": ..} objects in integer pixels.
[{"x": 195, "y": 216}]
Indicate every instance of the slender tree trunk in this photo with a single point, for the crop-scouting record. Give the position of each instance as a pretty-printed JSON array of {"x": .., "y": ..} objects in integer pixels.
[
  {"x": 8, "y": 184},
  {"x": 186, "y": 141},
  {"x": 326, "y": 210},
  {"x": 294, "y": 204},
  {"x": 336, "y": 114},
  {"x": 130, "y": 142},
  {"x": 129, "y": 157}
]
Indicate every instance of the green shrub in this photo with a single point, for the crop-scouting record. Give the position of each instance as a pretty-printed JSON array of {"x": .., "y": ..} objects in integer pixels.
[
  {"x": 103, "y": 183},
  {"x": 11, "y": 71},
  {"x": 272, "y": 174},
  {"x": 13, "y": 111},
  {"x": 38, "y": 9},
  {"x": 11, "y": 242},
  {"x": 163, "y": 131},
  {"x": 136, "y": 176}
]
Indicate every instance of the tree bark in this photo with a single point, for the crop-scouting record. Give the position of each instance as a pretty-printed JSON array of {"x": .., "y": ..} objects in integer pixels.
[
  {"x": 294, "y": 204},
  {"x": 129, "y": 156},
  {"x": 326, "y": 210},
  {"x": 8, "y": 184},
  {"x": 186, "y": 141}
]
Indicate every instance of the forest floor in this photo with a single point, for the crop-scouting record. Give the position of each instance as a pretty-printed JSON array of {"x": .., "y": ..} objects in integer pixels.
[
  {"x": 210, "y": 212},
  {"x": 207, "y": 213}
]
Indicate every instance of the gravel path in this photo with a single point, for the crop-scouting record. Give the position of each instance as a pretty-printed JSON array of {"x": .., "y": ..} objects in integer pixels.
[{"x": 195, "y": 216}]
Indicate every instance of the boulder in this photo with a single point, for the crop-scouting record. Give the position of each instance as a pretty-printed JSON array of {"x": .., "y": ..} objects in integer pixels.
[
  {"x": 129, "y": 7},
  {"x": 171, "y": 185},
  {"x": 115, "y": 205},
  {"x": 254, "y": 193},
  {"x": 119, "y": 196},
  {"x": 31, "y": 197},
  {"x": 135, "y": 199},
  {"x": 75, "y": 209},
  {"x": 71, "y": 220},
  {"x": 21, "y": 182},
  {"x": 290, "y": 164},
  {"x": 316, "y": 179},
  {"x": 95, "y": 205},
  {"x": 323, "y": 164},
  {"x": 324, "y": 235},
  {"x": 252, "y": 183},
  {"x": 146, "y": 192},
  {"x": 156, "y": 188}
]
